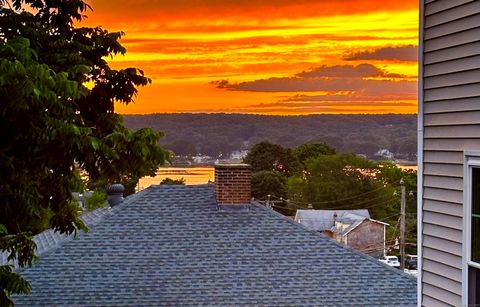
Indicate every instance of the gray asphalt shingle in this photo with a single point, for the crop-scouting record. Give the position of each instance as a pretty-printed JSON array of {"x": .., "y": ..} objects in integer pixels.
[{"x": 171, "y": 246}]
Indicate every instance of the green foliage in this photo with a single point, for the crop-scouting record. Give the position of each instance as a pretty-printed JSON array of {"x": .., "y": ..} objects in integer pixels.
[
  {"x": 342, "y": 181},
  {"x": 130, "y": 185},
  {"x": 97, "y": 200},
  {"x": 11, "y": 283},
  {"x": 390, "y": 174},
  {"x": 170, "y": 181},
  {"x": 269, "y": 183},
  {"x": 333, "y": 181},
  {"x": 312, "y": 150},
  {"x": 78, "y": 184},
  {"x": 50, "y": 123},
  {"x": 265, "y": 156},
  {"x": 20, "y": 247},
  {"x": 346, "y": 181}
]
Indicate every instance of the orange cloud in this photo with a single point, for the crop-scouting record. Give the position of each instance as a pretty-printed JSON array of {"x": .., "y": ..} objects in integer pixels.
[
  {"x": 260, "y": 46},
  {"x": 363, "y": 77},
  {"x": 403, "y": 53}
]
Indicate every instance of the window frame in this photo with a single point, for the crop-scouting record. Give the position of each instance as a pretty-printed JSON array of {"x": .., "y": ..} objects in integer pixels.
[{"x": 471, "y": 161}]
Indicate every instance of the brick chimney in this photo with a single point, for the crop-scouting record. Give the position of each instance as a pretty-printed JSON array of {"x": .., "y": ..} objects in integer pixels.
[{"x": 233, "y": 184}]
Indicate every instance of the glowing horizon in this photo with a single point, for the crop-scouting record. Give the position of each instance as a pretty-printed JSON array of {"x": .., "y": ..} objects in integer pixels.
[{"x": 267, "y": 57}]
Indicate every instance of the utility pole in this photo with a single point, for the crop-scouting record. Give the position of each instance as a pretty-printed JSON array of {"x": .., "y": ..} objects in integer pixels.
[{"x": 402, "y": 225}]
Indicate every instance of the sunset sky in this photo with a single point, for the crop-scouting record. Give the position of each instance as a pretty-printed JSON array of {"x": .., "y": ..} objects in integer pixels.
[{"x": 267, "y": 56}]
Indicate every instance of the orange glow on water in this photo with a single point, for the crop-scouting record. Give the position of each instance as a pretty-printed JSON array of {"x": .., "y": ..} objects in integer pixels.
[{"x": 191, "y": 175}]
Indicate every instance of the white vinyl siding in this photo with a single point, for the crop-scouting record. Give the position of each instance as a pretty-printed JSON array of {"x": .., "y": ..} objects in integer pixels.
[
  {"x": 438, "y": 6},
  {"x": 447, "y": 170},
  {"x": 443, "y": 257},
  {"x": 450, "y": 14},
  {"x": 434, "y": 228},
  {"x": 431, "y": 301},
  {"x": 452, "y": 157},
  {"x": 443, "y": 207},
  {"x": 451, "y": 124},
  {"x": 439, "y": 132},
  {"x": 452, "y": 66},
  {"x": 441, "y": 294},
  {"x": 452, "y": 53},
  {"x": 450, "y": 183}
]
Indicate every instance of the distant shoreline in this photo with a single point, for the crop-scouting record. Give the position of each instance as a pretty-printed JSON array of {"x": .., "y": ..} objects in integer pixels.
[
  {"x": 406, "y": 163},
  {"x": 263, "y": 114},
  {"x": 217, "y": 135}
]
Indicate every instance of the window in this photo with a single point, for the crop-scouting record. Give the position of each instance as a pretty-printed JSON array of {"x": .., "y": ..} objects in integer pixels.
[
  {"x": 474, "y": 261},
  {"x": 475, "y": 233},
  {"x": 473, "y": 286}
]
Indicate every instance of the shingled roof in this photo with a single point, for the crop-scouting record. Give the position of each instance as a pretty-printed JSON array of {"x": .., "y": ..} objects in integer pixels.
[{"x": 171, "y": 245}]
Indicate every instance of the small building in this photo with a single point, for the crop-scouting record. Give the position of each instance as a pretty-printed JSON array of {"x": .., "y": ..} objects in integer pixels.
[
  {"x": 238, "y": 154},
  {"x": 201, "y": 159},
  {"x": 385, "y": 154},
  {"x": 353, "y": 228}
]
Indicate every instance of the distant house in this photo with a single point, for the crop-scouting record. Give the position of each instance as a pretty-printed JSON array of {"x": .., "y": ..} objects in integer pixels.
[
  {"x": 201, "y": 159},
  {"x": 449, "y": 153},
  {"x": 238, "y": 154},
  {"x": 82, "y": 198},
  {"x": 384, "y": 154},
  {"x": 205, "y": 245},
  {"x": 354, "y": 228}
]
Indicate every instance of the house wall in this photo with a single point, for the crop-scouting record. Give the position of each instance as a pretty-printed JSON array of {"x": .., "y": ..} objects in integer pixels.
[
  {"x": 450, "y": 88},
  {"x": 368, "y": 237},
  {"x": 339, "y": 238},
  {"x": 328, "y": 233}
]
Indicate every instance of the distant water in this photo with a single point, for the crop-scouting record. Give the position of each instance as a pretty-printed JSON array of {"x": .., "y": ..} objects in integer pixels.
[
  {"x": 408, "y": 167},
  {"x": 192, "y": 175},
  {"x": 197, "y": 175}
]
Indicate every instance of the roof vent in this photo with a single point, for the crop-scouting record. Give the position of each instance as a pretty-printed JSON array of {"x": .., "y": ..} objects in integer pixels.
[{"x": 115, "y": 194}]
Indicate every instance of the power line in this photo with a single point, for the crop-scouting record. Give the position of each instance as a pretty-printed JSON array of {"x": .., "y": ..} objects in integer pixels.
[
  {"x": 372, "y": 200},
  {"x": 344, "y": 199},
  {"x": 381, "y": 203},
  {"x": 376, "y": 245},
  {"x": 298, "y": 206},
  {"x": 327, "y": 219},
  {"x": 396, "y": 227},
  {"x": 358, "y": 203}
]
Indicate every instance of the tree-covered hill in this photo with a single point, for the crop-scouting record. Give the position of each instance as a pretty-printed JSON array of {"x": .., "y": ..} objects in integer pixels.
[{"x": 213, "y": 134}]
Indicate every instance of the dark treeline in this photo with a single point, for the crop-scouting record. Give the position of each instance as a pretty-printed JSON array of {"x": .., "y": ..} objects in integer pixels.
[{"x": 214, "y": 134}]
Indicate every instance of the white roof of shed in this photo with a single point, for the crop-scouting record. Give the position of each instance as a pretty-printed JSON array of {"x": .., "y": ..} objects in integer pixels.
[{"x": 320, "y": 220}]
